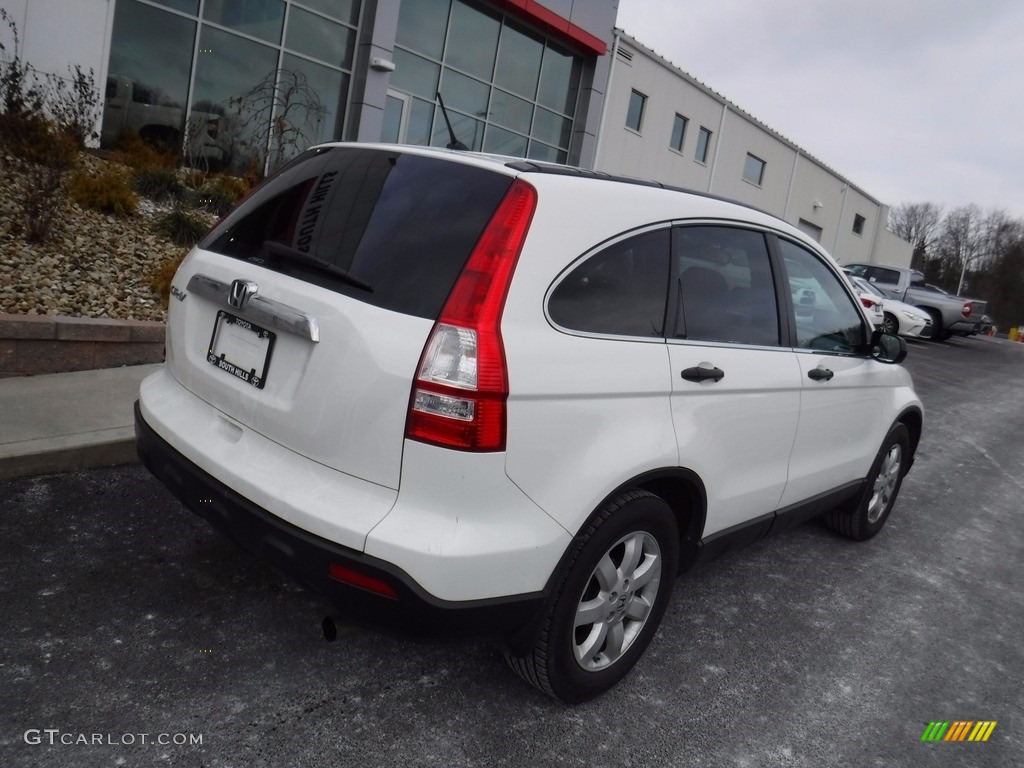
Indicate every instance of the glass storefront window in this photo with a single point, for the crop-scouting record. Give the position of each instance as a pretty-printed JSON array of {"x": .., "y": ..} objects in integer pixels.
[
  {"x": 150, "y": 65},
  {"x": 421, "y": 119},
  {"x": 245, "y": 94},
  {"x": 464, "y": 93},
  {"x": 235, "y": 80},
  {"x": 319, "y": 38},
  {"x": 518, "y": 62},
  {"x": 467, "y": 130},
  {"x": 259, "y": 18},
  {"x": 185, "y": 6},
  {"x": 559, "y": 80},
  {"x": 331, "y": 86},
  {"x": 471, "y": 51},
  {"x": 552, "y": 128},
  {"x": 421, "y": 26},
  {"x": 342, "y": 10},
  {"x": 503, "y": 142},
  {"x": 472, "y": 40},
  {"x": 546, "y": 154},
  {"x": 511, "y": 112}
]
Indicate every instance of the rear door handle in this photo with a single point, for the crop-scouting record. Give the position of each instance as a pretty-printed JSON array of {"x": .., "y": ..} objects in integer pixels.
[
  {"x": 703, "y": 373},
  {"x": 820, "y": 374}
]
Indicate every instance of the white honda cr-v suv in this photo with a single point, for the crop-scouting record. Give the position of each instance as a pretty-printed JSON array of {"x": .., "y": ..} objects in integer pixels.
[{"x": 451, "y": 391}]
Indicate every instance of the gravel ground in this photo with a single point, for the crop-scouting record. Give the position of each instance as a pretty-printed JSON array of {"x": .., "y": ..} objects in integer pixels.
[{"x": 92, "y": 265}]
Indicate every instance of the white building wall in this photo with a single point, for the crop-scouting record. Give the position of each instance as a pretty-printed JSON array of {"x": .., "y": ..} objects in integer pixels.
[
  {"x": 795, "y": 186},
  {"x": 58, "y": 34}
]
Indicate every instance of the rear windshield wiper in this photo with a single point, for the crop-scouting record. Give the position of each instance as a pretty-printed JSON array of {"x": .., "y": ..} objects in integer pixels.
[{"x": 301, "y": 257}]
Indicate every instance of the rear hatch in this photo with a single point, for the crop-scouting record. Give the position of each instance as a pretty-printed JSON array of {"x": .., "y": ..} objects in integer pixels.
[{"x": 303, "y": 315}]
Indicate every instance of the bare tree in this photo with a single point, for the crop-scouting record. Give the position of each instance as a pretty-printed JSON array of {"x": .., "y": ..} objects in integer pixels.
[
  {"x": 918, "y": 224},
  {"x": 960, "y": 243},
  {"x": 282, "y": 115}
]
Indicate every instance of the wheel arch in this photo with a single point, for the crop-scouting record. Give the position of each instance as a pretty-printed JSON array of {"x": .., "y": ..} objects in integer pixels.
[
  {"x": 913, "y": 420},
  {"x": 684, "y": 492}
]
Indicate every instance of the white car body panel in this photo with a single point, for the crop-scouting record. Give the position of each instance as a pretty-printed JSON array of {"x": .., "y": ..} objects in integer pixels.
[
  {"x": 318, "y": 499},
  {"x": 341, "y": 401},
  {"x": 736, "y": 434}
]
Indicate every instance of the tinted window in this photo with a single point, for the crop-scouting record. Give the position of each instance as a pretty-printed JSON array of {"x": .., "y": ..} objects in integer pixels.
[
  {"x": 620, "y": 291},
  {"x": 826, "y": 317},
  {"x": 882, "y": 275},
  {"x": 403, "y": 224},
  {"x": 725, "y": 286}
]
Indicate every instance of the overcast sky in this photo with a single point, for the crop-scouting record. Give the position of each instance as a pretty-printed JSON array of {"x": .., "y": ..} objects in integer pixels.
[{"x": 911, "y": 100}]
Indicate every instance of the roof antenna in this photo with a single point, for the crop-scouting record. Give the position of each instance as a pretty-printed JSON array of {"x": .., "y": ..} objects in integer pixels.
[{"x": 454, "y": 143}]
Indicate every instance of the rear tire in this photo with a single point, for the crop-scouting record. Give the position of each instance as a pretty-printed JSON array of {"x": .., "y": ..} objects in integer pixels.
[
  {"x": 866, "y": 517},
  {"x": 609, "y": 602}
]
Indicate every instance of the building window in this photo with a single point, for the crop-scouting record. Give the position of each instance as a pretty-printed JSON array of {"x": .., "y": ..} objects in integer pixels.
[
  {"x": 858, "y": 224},
  {"x": 753, "y": 170},
  {"x": 635, "y": 114},
  {"x": 243, "y": 85},
  {"x": 678, "y": 133},
  {"x": 508, "y": 89},
  {"x": 703, "y": 144}
]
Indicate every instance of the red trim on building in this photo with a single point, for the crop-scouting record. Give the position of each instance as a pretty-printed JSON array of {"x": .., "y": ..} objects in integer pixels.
[{"x": 557, "y": 26}]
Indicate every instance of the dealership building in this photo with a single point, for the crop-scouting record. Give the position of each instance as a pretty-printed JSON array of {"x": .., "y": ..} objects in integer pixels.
[{"x": 550, "y": 80}]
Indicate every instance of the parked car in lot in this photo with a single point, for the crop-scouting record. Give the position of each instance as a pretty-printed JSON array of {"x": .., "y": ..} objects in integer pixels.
[
  {"x": 451, "y": 391},
  {"x": 872, "y": 303},
  {"x": 897, "y": 316},
  {"x": 949, "y": 314}
]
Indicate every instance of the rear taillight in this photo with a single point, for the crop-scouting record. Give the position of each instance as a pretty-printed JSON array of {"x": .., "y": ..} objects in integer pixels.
[
  {"x": 868, "y": 302},
  {"x": 968, "y": 309},
  {"x": 458, "y": 398}
]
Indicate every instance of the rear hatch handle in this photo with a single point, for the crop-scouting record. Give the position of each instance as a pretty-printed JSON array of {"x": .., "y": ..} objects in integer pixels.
[{"x": 259, "y": 309}]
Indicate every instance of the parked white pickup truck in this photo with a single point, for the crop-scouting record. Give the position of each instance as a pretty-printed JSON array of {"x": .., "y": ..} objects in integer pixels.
[
  {"x": 131, "y": 107},
  {"x": 950, "y": 314}
]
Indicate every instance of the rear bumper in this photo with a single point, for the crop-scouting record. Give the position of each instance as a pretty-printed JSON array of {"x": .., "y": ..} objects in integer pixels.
[{"x": 307, "y": 558}]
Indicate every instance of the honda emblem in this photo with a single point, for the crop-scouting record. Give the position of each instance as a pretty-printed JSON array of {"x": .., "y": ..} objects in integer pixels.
[{"x": 241, "y": 293}]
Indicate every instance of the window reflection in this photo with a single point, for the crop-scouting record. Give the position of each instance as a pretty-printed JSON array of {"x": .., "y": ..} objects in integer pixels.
[
  {"x": 150, "y": 64},
  {"x": 421, "y": 26},
  {"x": 472, "y": 41},
  {"x": 322, "y": 39},
  {"x": 465, "y": 50},
  {"x": 235, "y": 79},
  {"x": 259, "y": 18},
  {"x": 239, "y": 85},
  {"x": 518, "y": 62}
]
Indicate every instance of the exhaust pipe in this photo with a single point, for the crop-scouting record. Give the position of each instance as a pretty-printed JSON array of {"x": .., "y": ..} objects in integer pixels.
[{"x": 330, "y": 629}]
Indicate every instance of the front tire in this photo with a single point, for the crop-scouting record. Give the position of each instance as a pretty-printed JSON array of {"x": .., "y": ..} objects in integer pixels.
[
  {"x": 866, "y": 518},
  {"x": 609, "y": 602},
  {"x": 890, "y": 324}
]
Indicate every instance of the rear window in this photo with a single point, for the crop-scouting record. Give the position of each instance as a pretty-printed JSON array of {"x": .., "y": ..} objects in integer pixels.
[{"x": 402, "y": 226}]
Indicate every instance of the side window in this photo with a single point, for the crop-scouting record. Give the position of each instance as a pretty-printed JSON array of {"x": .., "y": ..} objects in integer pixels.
[
  {"x": 726, "y": 291},
  {"x": 887, "y": 276},
  {"x": 621, "y": 291},
  {"x": 826, "y": 317}
]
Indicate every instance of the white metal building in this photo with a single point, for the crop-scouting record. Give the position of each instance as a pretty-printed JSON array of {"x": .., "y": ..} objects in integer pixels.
[{"x": 660, "y": 123}]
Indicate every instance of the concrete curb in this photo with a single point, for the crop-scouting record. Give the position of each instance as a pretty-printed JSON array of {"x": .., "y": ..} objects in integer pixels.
[
  {"x": 41, "y": 344},
  {"x": 68, "y": 421}
]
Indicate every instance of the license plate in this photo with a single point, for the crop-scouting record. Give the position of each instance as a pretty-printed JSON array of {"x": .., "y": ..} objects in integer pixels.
[{"x": 241, "y": 348}]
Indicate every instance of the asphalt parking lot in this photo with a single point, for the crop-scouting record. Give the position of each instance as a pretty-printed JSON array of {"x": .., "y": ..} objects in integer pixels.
[{"x": 134, "y": 635}]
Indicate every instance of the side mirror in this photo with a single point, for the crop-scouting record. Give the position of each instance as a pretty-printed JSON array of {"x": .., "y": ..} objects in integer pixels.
[{"x": 888, "y": 347}]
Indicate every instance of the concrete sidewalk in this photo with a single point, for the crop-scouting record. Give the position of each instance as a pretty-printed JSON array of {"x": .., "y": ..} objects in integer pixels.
[{"x": 65, "y": 421}]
